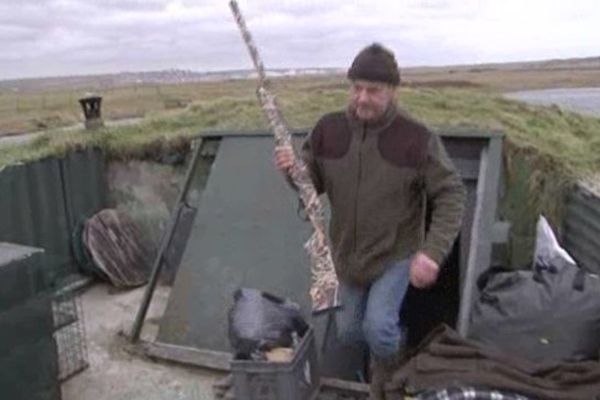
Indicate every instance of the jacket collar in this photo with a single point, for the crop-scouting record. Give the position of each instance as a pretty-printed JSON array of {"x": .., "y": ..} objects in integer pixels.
[{"x": 376, "y": 126}]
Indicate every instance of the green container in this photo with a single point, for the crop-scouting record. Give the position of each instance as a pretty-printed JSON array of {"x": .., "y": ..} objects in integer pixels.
[
  {"x": 21, "y": 274},
  {"x": 30, "y": 369},
  {"x": 27, "y": 323},
  {"x": 28, "y": 354}
]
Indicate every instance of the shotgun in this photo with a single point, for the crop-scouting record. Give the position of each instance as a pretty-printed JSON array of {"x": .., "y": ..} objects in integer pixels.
[{"x": 324, "y": 283}]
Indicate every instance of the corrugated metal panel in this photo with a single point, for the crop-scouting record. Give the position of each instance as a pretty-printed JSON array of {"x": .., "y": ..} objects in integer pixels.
[
  {"x": 582, "y": 228},
  {"x": 41, "y": 202},
  {"x": 32, "y": 209},
  {"x": 85, "y": 184}
]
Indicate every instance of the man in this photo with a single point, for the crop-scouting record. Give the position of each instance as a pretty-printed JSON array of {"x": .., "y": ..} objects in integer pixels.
[{"x": 380, "y": 168}]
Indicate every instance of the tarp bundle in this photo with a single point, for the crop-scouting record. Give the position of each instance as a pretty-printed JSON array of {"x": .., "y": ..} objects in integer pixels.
[
  {"x": 544, "y": 314},
  {"x": 445, "y": 359},
  {"x": 550, "y": 312},
  {"x": 259, "y": 322}
]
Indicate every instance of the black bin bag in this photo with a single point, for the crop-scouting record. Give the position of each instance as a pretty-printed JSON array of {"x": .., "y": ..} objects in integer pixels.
[
  {"x": 259, "y": 321},
  {"x": 547, "y": 313}
]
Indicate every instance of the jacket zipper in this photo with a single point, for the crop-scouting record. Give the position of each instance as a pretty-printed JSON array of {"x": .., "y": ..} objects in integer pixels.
[{"x": 362, "y": 141}]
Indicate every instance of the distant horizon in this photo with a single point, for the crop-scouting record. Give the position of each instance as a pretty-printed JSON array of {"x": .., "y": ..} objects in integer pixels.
[{"x": 251, "y": 69}]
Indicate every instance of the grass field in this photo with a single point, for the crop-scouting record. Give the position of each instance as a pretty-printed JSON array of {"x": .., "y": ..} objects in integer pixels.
[
  {"x": 570, "y": 140},
  {"x": 547, "y": 149},
  {"x": 28, "y": 109}
]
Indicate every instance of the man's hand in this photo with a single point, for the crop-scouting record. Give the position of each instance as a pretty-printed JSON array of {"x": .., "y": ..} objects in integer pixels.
[
  {"x": 283, "y": 158},
  {"x": 423, "y": 271}
]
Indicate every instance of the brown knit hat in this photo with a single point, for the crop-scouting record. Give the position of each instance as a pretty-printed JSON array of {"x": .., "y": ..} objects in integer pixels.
[{"x": 375, "y": 63}]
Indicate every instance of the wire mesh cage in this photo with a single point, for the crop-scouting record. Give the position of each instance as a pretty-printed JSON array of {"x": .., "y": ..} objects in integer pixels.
[{"x": 69, "y": 333}]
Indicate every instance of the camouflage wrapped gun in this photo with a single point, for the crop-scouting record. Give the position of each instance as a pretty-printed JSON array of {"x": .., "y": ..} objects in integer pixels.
[{"x": 324, "y": 287}]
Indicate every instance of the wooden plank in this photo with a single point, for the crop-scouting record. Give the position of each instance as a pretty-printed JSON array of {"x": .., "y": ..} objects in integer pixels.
[
  {"x": 482, "y": 229},
  {"x": 343, "y": 385},
  {"x": 164, "y": 244},
  {"x": 468, "y": 277},
  {"x": 217, "y": 360}
]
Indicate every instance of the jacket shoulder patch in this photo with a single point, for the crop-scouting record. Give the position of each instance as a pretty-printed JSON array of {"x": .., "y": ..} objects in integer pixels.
[
  {"x": 404, "y": 143},
  {"x": 331, "y": 136}
]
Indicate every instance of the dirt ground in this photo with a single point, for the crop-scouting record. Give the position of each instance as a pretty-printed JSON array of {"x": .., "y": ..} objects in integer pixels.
[{"x": 116, "y": 373}]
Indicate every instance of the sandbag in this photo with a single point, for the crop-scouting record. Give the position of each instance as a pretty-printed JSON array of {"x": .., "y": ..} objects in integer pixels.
[
  {"x": 547, "y": 313},
  {"x": 259, "y": 322}
]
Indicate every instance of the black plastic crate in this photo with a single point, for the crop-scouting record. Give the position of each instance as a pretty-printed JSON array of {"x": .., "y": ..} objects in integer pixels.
[{"x": 295, "y": 380}]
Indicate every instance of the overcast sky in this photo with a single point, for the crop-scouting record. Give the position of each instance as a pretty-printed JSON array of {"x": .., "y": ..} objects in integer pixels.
[{"x": 64, "y": 37}]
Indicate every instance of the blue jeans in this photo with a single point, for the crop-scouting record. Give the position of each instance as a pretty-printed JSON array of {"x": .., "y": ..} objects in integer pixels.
[{"x": 372, "y": 314}]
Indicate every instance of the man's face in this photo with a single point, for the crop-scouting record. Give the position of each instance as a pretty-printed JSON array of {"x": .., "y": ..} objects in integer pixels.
[{"x": 369, "y": 100}]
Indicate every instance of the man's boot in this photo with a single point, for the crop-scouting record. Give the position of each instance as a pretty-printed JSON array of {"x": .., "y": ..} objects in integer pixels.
[
  {"x": 382, "y": 369},
  {"x": 379, "y": 375},
  {"x": 381, "y": 372}
]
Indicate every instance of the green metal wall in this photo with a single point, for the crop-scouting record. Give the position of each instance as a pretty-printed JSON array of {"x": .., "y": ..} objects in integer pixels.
[
  {"x": 32, "y": 209},
  {"x": 42, "y": 202},
  {"x": 28, "y": 354}
]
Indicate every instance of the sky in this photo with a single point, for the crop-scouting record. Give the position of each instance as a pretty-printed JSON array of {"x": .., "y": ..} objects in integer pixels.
[{"x": 81, "y": 37}]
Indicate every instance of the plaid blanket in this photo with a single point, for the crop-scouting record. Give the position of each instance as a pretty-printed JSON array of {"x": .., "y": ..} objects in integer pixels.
[{"x": 468, "y": 393}]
